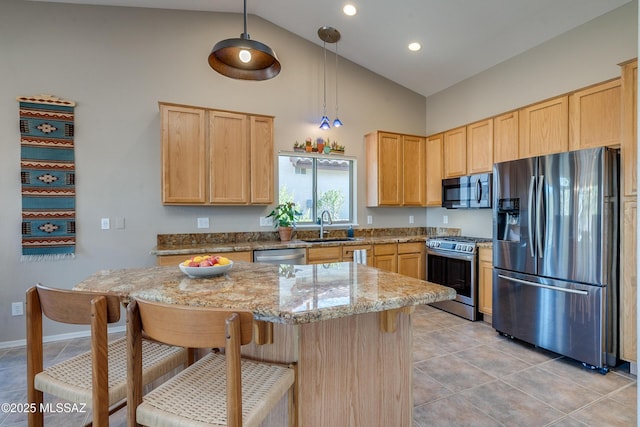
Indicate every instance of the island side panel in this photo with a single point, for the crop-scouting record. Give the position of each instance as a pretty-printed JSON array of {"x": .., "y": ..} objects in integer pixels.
[{"x": 352, "y": 373}]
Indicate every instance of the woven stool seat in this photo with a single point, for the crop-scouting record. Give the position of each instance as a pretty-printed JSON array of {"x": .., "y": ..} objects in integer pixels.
[
  {"x": 220, "y": 389},
  {"x": 72, "y": 379},
  {"x": 197, "y": 396},
  {"x": 97, "y": 378}
]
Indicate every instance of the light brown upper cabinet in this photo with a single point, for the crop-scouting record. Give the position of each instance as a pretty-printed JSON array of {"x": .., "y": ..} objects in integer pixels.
[
  {"x": 595, "y": 115},
  {"x": 455, "y": 152},
  {"x": 228, "y": 157},
  {"x": 262, "y": 159},
  {"x": 434, "y": 169},
  {"x": 629, "y": 126},
  {"x": 396, "y": 169},
  {"x": 480, "y": 147},
  {"x": 184, "y": 160},
  {"x": 414, "y": 176},
  {"x": 505, "y": 137},
  {"x": 212, "y": 157},
  {"x": 544, "y": 128}
]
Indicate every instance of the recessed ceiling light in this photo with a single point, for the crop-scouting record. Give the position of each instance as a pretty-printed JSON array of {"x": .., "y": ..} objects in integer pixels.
[
  {"x": 415, "y": 46},
  {"x": 349, "y": 10}
]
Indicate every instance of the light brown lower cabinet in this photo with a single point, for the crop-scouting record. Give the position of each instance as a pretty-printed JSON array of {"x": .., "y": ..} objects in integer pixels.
[
  {"x": 347, "y": 252},
  {"x": 385, "y": 256},
  {"x": 324, "y": 255},
  {"x": 628, "y": 291},
  {"x": 411, "y": 259},
  {"x": 485, "y": 282}
]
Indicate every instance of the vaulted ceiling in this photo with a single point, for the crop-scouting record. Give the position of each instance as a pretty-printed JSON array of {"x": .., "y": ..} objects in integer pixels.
[{"x": 459, "y": 38}]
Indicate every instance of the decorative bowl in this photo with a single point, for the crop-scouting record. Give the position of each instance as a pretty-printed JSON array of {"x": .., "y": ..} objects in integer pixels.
[{"x": 195, "y": 272}]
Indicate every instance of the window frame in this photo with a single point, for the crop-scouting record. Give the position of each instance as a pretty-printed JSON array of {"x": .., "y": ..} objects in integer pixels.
[{"x": 353, "y": 173}]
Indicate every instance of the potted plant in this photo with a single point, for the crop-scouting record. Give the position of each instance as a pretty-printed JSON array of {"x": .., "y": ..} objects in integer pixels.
[{"x": 285, "y": 215}]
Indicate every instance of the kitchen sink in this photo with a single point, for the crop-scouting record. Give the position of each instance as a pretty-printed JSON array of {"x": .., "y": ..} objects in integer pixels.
[{"x": 331, "y": 239}]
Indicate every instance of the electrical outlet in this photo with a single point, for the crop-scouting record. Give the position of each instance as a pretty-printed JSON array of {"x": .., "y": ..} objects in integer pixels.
[
  {"x": 369, "y": 219},
  {"x": 411, "y": 219},
  {"x": 17, "y": 309},
  {"x": 266, "y": 222},
  {"x": 445, "y": 219},
  {"x": 203, "y": 222},
  {"x": 120, "y": 223},
  {"x": 105, "y": 223}
]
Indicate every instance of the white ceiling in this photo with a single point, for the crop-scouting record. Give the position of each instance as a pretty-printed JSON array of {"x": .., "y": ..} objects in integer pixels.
[{"x": 460, "y": 38}]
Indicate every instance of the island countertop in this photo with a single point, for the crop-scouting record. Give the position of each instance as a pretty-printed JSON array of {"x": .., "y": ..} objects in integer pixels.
[{"x": 276, "y": 293}]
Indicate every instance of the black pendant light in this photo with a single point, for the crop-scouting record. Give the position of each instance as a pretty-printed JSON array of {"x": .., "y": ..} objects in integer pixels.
[{"x": 243, "y": 58}]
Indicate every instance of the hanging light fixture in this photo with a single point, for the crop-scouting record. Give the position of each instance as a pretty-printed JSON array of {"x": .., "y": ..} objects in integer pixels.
[
  {"x": 243, "y": 58},
  {"x": 327, "y": 35},
  {"x": 337, "y": 122}
]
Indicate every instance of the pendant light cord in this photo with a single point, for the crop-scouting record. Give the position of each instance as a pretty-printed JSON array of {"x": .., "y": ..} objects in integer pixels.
[
  {"x": 245, "y": 20},
  {"x": 337, "y": 80},
  {"x": 324, "y": 105}
]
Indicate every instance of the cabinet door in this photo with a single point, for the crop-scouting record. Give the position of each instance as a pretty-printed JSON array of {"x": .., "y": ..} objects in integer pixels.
[
  {"x": 414, "y": 173},
  {"x": 411, "y": 259},
  {"x": 544, "y": 128},
  {"x": 455, "y": 152},
  {"x": 595, "y": 115},
  {"x": 628, "y": 341},
  {"x": 385, "y": 257},
  {"x": 347, "y": 252},
  {"x": 229, "y": 158},
  {"x": 384, "y": 169},
  {"x": 485, "y": 292},
  {"x": 262, "y": 160},
  {"x": 390, "y": 165},
  {"x": 505, "y": 137},
  {"x": 630, "y": 126},
  {"x": 434, "y": 170},
  {"x": 323, "y": 255},
  {"x": 184, "y": 160},
  {"x": 480, "y": 147}
]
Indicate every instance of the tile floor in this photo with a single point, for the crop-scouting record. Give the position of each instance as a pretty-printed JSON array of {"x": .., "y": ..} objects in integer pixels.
[{"x": 465, "y": 374}]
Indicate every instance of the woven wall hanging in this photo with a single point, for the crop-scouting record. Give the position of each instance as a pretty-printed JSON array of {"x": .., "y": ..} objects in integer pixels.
[{"x": 47, "y": 172}]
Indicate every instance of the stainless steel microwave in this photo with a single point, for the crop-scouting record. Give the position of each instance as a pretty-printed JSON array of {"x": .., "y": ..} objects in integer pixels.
[{"x": 467, "y": 192}]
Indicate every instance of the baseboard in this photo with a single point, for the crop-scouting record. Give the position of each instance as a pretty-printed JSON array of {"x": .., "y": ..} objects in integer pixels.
[{"x": 59, "y": 337}]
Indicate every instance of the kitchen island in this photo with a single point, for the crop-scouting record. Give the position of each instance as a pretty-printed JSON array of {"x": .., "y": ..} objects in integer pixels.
[{"x": 346, "y": 326}]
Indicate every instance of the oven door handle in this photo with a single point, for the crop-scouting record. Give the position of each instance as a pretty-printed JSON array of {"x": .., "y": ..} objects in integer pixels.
[{"x": 454, "y": 255}]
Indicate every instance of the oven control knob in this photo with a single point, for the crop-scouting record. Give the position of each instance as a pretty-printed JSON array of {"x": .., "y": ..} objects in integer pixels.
[{"x": 469, "y": 248}]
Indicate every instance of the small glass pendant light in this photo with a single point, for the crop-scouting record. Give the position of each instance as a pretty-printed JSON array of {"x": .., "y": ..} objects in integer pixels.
[{"x": 328, "y": 35}]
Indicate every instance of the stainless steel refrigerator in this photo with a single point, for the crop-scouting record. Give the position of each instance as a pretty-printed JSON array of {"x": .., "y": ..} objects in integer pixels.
[{"x": 555, "y": 253}]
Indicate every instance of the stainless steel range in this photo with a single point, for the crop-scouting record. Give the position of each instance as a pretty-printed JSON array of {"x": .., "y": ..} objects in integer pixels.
[{"x": 453, "y": 261}]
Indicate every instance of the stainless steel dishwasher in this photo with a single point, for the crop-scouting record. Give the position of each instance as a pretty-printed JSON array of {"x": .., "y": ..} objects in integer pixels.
[{"x": 296, "y": 256}]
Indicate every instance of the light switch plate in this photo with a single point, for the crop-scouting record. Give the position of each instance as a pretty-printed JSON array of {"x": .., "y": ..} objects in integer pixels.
[
  {"x": 203, "y": 222},
  {"x": 105, "y": 224},
  {"x": 369, "y": 219}
]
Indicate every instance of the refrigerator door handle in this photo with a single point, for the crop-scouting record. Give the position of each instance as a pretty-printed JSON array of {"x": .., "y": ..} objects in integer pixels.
[
  {"x": 539, "y": 202},
  {"x": 530, "y": 210},
  {"x": 539, "y": 285}
]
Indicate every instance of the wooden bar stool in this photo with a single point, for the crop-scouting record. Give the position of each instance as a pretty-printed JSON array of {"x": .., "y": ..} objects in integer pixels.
[
  {"x": 219, "y": 389},
  {"x": 97, "y": 377}
]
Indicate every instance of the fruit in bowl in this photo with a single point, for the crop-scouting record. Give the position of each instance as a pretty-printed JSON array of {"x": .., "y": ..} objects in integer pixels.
[{"x": 205, "y": 265}]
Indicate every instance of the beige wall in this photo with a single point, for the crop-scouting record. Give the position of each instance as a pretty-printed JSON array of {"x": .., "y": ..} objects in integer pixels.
[
  {"x": 117, "y": 63},
  {"x": 583, "y": 56}
]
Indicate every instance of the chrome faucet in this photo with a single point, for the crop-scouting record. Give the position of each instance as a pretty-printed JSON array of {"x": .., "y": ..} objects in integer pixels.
[{"x": 322, "y": 222}]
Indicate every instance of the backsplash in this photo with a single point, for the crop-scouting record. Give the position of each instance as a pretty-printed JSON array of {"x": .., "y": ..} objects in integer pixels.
[{"x": 260, "y": 236}]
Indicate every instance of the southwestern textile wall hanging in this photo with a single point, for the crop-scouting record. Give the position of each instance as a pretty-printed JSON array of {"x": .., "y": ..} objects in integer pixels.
[{"x": 48, "y": 178}]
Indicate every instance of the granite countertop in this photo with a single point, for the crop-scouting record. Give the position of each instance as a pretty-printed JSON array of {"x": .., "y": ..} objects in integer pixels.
[
  {"x": 185, "y": 244},
  {"x": 275, "y": 293}
]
